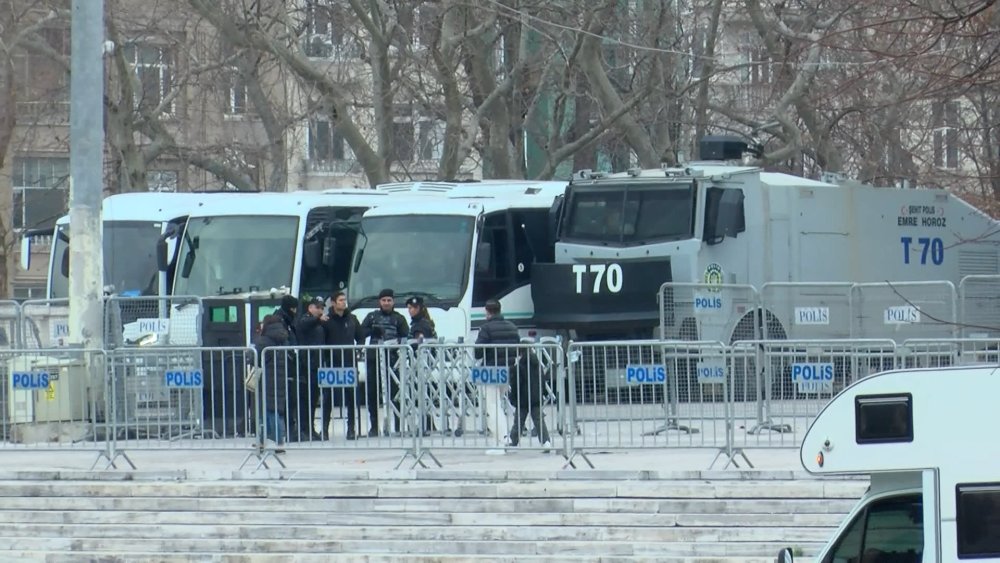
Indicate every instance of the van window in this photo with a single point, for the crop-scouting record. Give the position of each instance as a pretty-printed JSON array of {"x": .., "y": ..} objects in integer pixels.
[
  {"x": 978, "y": 520},
  {"x": 882, "y": 419},
  {"x": 889, "y": 530}
]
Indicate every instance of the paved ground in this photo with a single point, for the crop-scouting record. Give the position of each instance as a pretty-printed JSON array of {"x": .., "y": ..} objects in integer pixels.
[{"x": 316, "y": 460}]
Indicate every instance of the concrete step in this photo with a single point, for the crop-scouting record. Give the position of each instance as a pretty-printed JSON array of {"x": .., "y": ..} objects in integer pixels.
[
  {"x": 345, "y": 530},
  {"x": 435, "y": 505},
  {"x": 423, "y": 489},
  {"x": 408, "y": 548},
  {"x": 239, "y": 516},
  {"x": 137, "y": 557},
  {"x": 697, "y": 518}
]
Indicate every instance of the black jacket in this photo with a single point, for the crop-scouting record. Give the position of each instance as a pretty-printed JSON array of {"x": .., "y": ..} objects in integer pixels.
[
  {"x": 528, "y": 380},
  {"x": 497, "y": 330},
  {"x": 343, "y": 330},
  {"x": 276, "y": 364},
  {"x": 385, "y": 327},
  {"x": 288, "y": 320},
  {"x": 310, "y": 331},
  {"x": 421, "y": 326}
]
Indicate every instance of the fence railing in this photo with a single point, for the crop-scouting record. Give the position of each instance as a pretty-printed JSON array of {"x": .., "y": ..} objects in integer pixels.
[
  {"x": 423, "y": 400},
  {"x": 810, "y": 310}
]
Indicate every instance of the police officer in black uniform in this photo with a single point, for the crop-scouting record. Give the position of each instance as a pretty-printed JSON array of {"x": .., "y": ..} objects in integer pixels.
[{"x": 382, "y": 325}]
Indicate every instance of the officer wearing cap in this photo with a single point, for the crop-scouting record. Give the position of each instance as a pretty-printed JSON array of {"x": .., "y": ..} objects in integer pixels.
[
  {"x": 421, "y": 323},
  {"x": 385, "y": 324}
]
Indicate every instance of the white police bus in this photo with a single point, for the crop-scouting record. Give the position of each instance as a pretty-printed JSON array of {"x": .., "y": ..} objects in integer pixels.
[
  {"x": 480, "y": 241},
  {"x": 132, "y": 225}
]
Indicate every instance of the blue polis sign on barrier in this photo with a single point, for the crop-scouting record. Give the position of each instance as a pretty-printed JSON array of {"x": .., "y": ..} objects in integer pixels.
[{"x": 180, "y": 379}]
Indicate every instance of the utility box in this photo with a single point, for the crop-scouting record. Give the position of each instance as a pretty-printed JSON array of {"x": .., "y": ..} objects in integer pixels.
[{"x": 47, "y": 389}]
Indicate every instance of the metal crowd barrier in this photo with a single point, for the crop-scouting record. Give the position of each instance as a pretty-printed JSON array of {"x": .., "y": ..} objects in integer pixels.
[
  {"x": 648, "y": 394},
  {"x": 164, "y": 397},
  {"x": 139, "y": 321},
  {"x": 296, "y": 383},
  {"x": 55, "y": 399},
  {"x": 423, "y": 398},
  {"x": 487, "y": 397},
  {"x": 788, "y": 382}
]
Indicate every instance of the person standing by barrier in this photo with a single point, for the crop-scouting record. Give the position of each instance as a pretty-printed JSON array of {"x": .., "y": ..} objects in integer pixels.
[
  {"x": 272, "y": 389},
  {"x": 527, "y": 393},
  {"x": 383, "y": 325},
  {"x": 497, "y": 330},
  {"x": 343, "y": 329},
  {"x": 422, "y": 328},
  {"x": 311, "y": 331},
  {"x": 421, "y": 323},
  {"x": 287, "y": 314}
]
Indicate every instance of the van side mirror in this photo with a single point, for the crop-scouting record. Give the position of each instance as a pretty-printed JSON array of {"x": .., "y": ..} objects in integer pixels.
[
  {"x": 188, "y": 264},
  {"x": 484, "y": 257},
  {"x": 785, "y": 556},
  {"x": 64, "y": 263},
  {"x": 162, "y": 260},
  {"x": 312, "y": 254},
  {"x": 329, "y": 251},
  {"x": 26, "y": 253}
]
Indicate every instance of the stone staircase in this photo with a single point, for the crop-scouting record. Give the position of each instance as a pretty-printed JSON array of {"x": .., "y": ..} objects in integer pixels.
[{"x": 423, "y": 515}]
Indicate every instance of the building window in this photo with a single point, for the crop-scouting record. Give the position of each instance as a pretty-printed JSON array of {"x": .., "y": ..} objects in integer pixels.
[
  {"x": 41, "y": 186},
  {"x": 161, "y": 180},
  {"x": 236, "y": 104},
  {"x": 324, "y": 28},
  {"x": 42, "y": 81},
  {"x": 430, "y": 139},
  {"x": 153, "y": 70},
  {"x": 325, "y": 142},
  {"x": 403, "y": 134},
  {"x": 944, "y": 121}
]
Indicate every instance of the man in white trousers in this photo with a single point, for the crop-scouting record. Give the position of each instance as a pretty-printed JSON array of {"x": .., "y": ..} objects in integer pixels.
[{"x": 497, "y": 330}]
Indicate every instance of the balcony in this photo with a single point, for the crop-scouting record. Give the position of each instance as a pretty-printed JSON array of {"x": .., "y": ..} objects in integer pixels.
[
  {"x": 331, "y": 167},
  {"x": 42, "y": 112}
]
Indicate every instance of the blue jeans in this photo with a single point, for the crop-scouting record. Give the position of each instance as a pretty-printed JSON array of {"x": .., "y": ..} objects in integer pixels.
[{"x": 274, "y": 426}]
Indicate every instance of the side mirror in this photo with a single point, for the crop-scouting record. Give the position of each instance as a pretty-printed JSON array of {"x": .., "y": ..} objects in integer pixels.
[
  {"x": 64, "y": 263},
  {"x": 785, "y": 556},
  {"x": 188, "y": 264},
  {"x": 26, "y": 253},
  {"x": 329, "y": 250},
  {"x": 484, "y": 257},
  {"x": 312, "y": 254},
  {"x": 357, "y": 259},
  {"x": 162, "y": 258}
]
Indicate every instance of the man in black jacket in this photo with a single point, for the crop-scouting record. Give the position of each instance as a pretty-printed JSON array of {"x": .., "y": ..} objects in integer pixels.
[
  {"x": 497, "y": 330},
  {"x": 310, "y": 331},
  {"x": 388, "y": 326},
  {"x": 343, "y": 329}
]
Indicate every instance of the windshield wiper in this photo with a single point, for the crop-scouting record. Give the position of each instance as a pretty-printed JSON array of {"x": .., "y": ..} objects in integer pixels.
[{"x": 431, "y": 297}]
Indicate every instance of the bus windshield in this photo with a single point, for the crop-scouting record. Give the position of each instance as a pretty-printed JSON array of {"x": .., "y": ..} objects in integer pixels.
[
  {"x": 235, "y": 254},
  {"x": 426, "y": 255},
  {"x": 130, "y": 266}
]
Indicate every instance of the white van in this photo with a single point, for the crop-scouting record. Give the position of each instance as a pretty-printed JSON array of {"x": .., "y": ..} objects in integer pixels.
[{"x": 930, "y": 441}]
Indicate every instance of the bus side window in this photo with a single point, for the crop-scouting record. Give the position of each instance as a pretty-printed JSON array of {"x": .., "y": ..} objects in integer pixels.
[{"x": 890, "y": 530}]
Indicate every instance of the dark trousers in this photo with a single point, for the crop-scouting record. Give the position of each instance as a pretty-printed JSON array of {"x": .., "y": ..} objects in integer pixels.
[
  {"x": 348, "y": 398},
  {"x": 521, "y": 412},
  {"x": 303, "y": 408}
]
